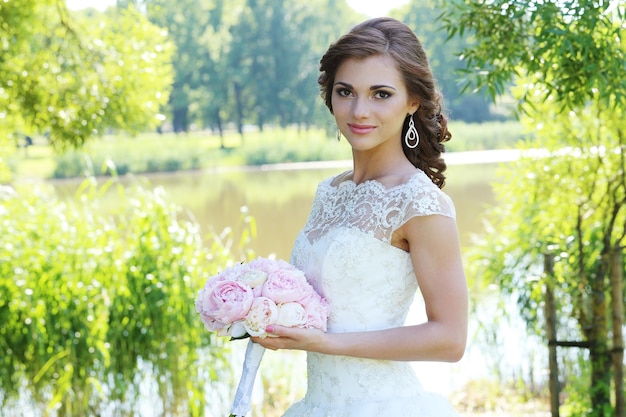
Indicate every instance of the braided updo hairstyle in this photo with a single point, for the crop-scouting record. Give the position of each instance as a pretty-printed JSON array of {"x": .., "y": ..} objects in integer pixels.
[{"x": 390, "y": 37}]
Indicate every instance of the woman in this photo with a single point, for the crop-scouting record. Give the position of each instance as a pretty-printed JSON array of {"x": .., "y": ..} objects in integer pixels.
[{"x": 377, "y": 232}]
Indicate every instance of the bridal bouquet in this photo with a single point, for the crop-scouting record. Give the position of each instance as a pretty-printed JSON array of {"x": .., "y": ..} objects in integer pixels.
[{"x": 244, "y": 299}]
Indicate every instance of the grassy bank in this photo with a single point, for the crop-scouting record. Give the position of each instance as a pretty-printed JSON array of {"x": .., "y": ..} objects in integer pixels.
[{"x": 152, "y": 152}]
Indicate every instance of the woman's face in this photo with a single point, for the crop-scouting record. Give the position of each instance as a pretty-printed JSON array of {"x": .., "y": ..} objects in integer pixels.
[{"x": 370, "y": 102}]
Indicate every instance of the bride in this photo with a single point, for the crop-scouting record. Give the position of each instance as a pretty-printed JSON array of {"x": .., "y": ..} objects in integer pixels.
[{"x": 378, "y": 232}]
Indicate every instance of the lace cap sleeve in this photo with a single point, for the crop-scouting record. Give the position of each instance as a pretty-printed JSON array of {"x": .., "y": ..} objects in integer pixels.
[
  {"x": 423, "y": 198},
  {"x": 373, "y": 209}
]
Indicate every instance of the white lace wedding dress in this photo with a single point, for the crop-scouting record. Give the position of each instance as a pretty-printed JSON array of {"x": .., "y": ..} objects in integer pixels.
[{"x": 345, "y": 251}]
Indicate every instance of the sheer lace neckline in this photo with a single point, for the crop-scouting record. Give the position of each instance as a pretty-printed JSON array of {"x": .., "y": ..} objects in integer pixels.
[
  {"x": 373, "y": 208},
  {"x": 345, "y": 180}
]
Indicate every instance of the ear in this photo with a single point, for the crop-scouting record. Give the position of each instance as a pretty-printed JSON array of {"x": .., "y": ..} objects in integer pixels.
[{"x": 413, "y": 106}]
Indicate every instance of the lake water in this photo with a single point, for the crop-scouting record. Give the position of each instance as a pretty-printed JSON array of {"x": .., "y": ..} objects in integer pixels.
[{"x": 279, "y": 198}]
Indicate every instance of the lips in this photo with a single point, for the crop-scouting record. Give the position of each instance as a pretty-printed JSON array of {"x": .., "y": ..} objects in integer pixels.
[{"x": 360, "y": 129}]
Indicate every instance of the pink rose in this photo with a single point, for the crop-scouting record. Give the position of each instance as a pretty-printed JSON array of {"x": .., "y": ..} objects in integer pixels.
[
  {"x": 246, "y": 298},
  {"x": 210, "y": 323},
  {"x": 270, "y": 266},
  {"x": 231, "y": 273},
  {"x": 285, "y": 286},
  {"x": 317, "y": 311},
  {"x": 262, "y": 313},
  {"x": 201, "y": 305},
  {"x": 226, "y": 301}
]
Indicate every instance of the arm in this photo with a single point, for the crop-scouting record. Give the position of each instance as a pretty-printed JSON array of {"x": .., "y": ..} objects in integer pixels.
[{"x": 435, "y": 252}]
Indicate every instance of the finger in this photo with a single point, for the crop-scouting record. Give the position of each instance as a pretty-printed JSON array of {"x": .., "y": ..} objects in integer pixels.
[
  {"x": 279, "y": 331},
  {"x": 263, "y": 342}
]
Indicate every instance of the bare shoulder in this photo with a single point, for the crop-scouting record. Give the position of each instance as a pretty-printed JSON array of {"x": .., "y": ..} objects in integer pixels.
[
  {"x": 343, "y": 177},
  {"x": 431, "y": 232}
]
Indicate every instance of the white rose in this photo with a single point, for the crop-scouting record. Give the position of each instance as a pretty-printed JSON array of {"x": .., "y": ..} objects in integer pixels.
[
  {"x": 237, "y": 330},
  {"x": 262, "y": 313},
  {"x": 291, "y": 315},
  {"x": 253, "y": 278}
]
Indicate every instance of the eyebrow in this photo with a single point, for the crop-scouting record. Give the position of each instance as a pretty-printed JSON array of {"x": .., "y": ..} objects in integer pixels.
[{"x": 374, "y": 87}]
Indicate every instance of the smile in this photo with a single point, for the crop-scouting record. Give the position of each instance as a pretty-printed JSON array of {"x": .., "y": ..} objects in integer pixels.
[{"x": 360, "y": 129}]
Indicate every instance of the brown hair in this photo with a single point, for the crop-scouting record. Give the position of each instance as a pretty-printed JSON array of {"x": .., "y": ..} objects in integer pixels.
[{"x": 390, "y": 37}]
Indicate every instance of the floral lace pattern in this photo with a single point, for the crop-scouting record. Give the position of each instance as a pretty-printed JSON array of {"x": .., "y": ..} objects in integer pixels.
[
  {"x": 374, "y": 209},
  {"x": 369, "y": 284}
]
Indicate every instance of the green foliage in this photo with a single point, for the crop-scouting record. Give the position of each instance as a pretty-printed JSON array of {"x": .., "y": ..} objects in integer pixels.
[
  {"x": 54, "y": 300},
  {"x": 423, "y": 17},
  {"x": 74, "y": 78},
  {"x": 567, "y": 200},
  {"x": 293, "y": 146},
  {"x": 577, "y": 402},
  {"x": 486, "y": 135},
  {"x": 274, "y": 57},
  {"x": 234, "y": 63},
  {"x": 567, "y": 197},
  {"x": 78, "y": 164},
  {"x": 198, "y": 30},
  {"x": 151, "y": 152},
  {"x": 576, "y": 49},
  {"x": 246, "y": 62},
  {"x": 95, "y": 299},
  {"x": 166, "y": 153}
]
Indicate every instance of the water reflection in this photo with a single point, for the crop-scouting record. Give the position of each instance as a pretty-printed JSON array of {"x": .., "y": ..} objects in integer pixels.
[{"x": 280, "y": 200}]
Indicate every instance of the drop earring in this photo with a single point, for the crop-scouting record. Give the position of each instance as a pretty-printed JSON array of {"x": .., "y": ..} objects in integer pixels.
[
  {"x": 338, "y": 135},
  {"x": 411, "y": 134}
]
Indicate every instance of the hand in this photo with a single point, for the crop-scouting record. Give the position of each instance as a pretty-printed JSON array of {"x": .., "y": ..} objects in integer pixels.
[{"x": 280, "y": 337}]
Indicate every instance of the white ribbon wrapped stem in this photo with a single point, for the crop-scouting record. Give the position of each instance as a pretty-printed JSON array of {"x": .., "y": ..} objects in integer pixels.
[{"x": 241, "y": 404}]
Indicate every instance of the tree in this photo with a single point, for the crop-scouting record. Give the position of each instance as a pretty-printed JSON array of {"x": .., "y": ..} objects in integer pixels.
[
  {"x": 575, "y": 46},
  {"x": 275, "y": 57},
  {"x": 187, "y": 23},
  {"x": 246, "y": 62},
  {"x": 569, "y": 199},
  {"x": 323, "y": 21},
  {"x": 217, "y": 105},
  {"x": 73, "y": 78},
  {"x": 423, "y": 17},
  {"x": 267, "y": 49}
]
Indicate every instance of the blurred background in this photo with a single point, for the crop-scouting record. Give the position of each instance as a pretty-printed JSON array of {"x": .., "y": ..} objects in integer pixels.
[{"x": 145, "y": 145}]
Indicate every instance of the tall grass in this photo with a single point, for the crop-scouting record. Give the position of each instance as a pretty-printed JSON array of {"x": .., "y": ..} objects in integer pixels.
[
  {"x": 152, "y": 152},
  {"x": 484, "y": 136},
  {"x": 94, "y": 302}
]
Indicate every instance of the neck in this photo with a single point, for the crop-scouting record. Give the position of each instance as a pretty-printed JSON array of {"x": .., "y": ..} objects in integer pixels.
[{"x": 365, "y": 169}]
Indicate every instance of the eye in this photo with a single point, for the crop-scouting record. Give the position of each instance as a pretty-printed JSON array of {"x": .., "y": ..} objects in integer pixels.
[
  {"x": 343, "y": 92},
  {"x": 382, "y": 94}
]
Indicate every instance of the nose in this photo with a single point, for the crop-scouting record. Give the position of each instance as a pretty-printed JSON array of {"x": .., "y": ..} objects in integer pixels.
[{"x": 360, "y": 108}]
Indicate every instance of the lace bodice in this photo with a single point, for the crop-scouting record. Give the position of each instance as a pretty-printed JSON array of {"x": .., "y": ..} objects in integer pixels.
[
  {"x": 373, "y": 209},
  {"x": 345, "y": 251}
]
